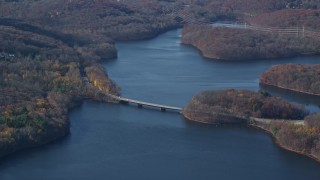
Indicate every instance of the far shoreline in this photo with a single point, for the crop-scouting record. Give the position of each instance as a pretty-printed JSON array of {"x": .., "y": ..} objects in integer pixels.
[
  {"x": 289, "y": 89},
  {"x": 244, "y": 60}
]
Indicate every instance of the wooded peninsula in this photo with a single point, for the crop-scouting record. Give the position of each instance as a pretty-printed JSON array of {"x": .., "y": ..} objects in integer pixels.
[{"x": 291, "y": 125}]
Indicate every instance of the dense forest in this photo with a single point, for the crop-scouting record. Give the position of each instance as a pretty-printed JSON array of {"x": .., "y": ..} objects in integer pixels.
[
  {"x": 274, "y": 115},
  {"x": 300, "y": 18},
  {"x": 235, "y": 106},
  {"x": 49, "y": 55},
  {"x": 50, "y": 52},
  {"x": 119, "y": 20},
  {"x": 246, "y": 44},
  {"x": 296, "y": 77},
  {"x": 41, "y": 78},
  {"x": 300, "y": 78},
  {"x": 310, "y": 19},
  {"x": 304, "y": 139}
]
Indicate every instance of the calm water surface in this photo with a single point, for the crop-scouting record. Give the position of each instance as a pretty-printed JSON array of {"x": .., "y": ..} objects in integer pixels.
[{"x": 110, "y": 141}]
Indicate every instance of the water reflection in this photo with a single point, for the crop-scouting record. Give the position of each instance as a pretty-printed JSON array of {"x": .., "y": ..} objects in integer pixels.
[{"x": 311, "y": 102}]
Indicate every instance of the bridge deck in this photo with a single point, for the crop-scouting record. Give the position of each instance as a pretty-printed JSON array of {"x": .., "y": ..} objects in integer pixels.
[{"x": 142, "y": 103}]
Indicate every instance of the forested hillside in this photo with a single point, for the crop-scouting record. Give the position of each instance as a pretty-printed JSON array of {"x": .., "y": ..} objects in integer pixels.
[
  {"x": 49, "y": 58},
  {"x": 296, "y": 77},
  {"x": 234, "y": 106},
  {"x": 238, "y": 44},
  {"x": 50, "y": 52}
]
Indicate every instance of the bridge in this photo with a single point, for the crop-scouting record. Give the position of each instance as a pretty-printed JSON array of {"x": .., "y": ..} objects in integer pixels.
[
  {"x": 124, "y": 100},
  {"x": 140, "y": 104}
]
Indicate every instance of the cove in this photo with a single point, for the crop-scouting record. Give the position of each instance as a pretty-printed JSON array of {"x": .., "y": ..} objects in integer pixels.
[{"x": 110, "y": 141}]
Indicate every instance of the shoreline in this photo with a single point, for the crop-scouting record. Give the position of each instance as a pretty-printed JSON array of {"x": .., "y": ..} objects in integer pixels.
[
  {"x": 275, "y": 140},
  {"x": 289, "y": 89},
  {"x": 208, "y": 50},
  {"x": 56, "y": 136},
  {"x": 15, "y": 146},
  {"x": 83, "y": 99},
  {"x": 242, "y": 60}
]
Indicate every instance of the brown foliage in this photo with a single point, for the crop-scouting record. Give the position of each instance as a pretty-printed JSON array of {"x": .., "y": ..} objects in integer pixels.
[
  {"x": 49, "y": 51},
  {"x": 299, "y": 138},
  {"x": 313, "y": 120},
  {"x": 98, "y": 77},
  {"x": 289, "y": 18},
  {"x": 240, "y": 104},
  {"x": 296, "y": 77},
  {"x": 304, "y": 139},
  {"x": 245, "y": 44}
]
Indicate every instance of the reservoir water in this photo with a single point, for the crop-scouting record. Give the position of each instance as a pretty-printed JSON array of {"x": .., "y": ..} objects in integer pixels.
[{"x": 110, "y": 141}]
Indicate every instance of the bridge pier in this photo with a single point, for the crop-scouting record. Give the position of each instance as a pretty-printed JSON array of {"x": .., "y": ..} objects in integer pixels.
[
  {"x": 163, "y": 109},
  {"x": 140, "y": 106}
]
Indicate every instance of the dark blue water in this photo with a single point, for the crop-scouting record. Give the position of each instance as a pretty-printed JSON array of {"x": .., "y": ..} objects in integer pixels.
[
  {"x": 164, "y": 71},
  {"x": 111, "y": 141}
]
